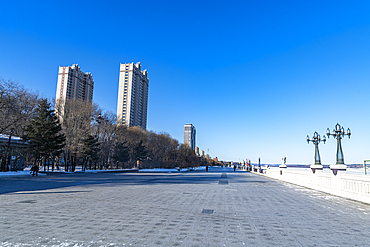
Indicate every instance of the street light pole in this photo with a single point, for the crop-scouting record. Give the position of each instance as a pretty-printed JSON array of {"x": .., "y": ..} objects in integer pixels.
[
  {"x": 99, "y": 121},
  {"x": 316, "y": 140},
  {"x": 9, "y": 154},
  {"x": 259, "y": 165},
  {"x": 338, "y": 133}
]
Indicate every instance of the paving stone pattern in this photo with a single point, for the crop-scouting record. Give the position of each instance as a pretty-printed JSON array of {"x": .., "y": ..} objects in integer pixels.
[{"x": 218, "y": 208}]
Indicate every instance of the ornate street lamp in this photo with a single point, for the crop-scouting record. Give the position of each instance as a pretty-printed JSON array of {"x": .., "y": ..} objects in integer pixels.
[
  {"x": 338, "y": 133},
  {"x": 259, "y": 164},
  {"x": 99, "y": 120},
  {"x": 316, "y": 140},
  {"x": 9, "y": 154},
  {"x": 283, "y": 162}
]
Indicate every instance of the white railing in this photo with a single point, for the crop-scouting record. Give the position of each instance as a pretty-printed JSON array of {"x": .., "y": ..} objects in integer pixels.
[{"x": 352, "y": 186}]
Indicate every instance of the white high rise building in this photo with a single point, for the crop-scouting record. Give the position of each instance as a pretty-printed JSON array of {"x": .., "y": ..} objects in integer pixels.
[
  {"x": 189, "y": 135},
  {"x": 132, "y": 95},
  {"x": 74, "y": 84}
]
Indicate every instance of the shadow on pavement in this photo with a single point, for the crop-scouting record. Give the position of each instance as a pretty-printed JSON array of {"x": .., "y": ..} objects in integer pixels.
[{"x": 63, "y": 180}]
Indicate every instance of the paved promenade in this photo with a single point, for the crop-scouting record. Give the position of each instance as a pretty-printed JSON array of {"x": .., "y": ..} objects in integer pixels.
[{"x": 218, "y": 208}]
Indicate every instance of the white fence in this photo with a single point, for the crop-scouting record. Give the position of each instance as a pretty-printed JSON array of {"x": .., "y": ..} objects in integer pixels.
[{"x": 352, "y": 186}]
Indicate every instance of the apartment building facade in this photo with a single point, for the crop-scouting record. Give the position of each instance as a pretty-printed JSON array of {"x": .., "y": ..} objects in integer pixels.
[
  {"x": 189, "y": 135},
  {"x": 132, "y": 103},
  {"x": 74, "y": 84}
]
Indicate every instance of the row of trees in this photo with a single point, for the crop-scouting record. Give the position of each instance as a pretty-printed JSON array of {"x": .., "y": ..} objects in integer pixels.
[
  {"x": 17, "y": 106},
  {"x": 76, "y": 133}
]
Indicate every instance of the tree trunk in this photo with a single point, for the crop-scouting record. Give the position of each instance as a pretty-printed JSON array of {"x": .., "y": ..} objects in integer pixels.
[
  {"x": 44, "y": 161},
  {"x": 73, "y": 161},
  {"x": 57, "y": 163},
  {"x": 3, "y": 163},
  {"x": 66, "y": 162}
]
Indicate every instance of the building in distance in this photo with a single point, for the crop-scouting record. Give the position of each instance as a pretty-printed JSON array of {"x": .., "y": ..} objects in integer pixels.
[
  {"x": 74, "y": 84},
  {"x": 189, "y": 135},
  {"x": 132, "y": 95}
]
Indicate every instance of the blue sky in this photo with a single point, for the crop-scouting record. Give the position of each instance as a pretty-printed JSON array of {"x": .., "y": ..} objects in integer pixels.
[{"x": 254, "y": 77}]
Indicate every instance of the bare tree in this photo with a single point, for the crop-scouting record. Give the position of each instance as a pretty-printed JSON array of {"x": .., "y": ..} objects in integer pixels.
[
  {"x": 105, "y": 129},
  {"x": 133, "y": 136},
  {"x": 75, "y": 116},
  {"x": 162, "y": 149},
  {"x": 187, "y": 157},
  {"x": 17, "y": 106}
]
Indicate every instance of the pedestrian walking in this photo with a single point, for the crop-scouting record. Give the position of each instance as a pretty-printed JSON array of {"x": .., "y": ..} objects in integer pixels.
[{"x": 34, "y": 170}]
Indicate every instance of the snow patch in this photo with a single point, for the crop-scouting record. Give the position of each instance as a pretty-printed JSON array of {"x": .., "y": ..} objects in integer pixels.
[{"x": 18, "y": 174}]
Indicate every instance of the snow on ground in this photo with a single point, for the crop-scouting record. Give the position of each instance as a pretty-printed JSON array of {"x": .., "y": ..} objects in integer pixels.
[
  {"x": 159, "y": 170},
  {"x": 201, "y": 168},
  {"x": 18, "y": 174},
  {"x": 27, "y": 172},
  {"x": 2, "y": 136},
  {"x": 358, "y": 171},
  {"x": 354, "y": 171},
  {"x": 111, "y": 170}
]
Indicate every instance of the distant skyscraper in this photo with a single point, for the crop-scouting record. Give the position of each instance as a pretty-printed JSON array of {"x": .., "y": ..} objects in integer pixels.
[
  {"x": 74, "y": 84},
  {"x": 189, "y": 135},
  {"x": 132, "y": 95}
]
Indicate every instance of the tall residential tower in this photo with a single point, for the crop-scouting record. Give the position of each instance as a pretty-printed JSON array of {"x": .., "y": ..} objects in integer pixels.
[
  {"x": 132, "y": 95},
  {"x": 189, "y": 135},
  {"x": 74, "y": 84}
]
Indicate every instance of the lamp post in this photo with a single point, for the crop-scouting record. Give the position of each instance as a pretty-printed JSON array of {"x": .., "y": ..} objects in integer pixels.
[
  {"x": 316, "y": 140},
  {"x": 99, "y": 120},
  {"x": 283, "y": 162},
  {"x": 9, "y": 153},
  {"x": 259, "y": 164},
  {"x": 338, "y": 133}
]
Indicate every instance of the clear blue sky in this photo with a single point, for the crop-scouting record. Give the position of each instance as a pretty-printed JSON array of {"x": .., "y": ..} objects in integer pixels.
[{"x": 254, "y": 77}]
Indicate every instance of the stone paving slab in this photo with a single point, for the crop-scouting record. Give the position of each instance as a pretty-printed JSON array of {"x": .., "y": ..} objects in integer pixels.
[{"x": 182, "y": 209}]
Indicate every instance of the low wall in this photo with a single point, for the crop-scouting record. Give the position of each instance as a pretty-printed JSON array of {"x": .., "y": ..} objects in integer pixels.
[{"x": 351, "y": 186}]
